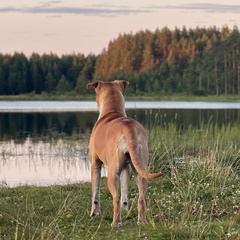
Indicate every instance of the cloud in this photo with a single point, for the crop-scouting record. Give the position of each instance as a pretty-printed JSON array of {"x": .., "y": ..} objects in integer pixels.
[
  {"x": 207, "y": 7},
  {"x": 73, "y": 10},
  {"x": 50, "y": 3},
  {"x": 109, "y": 10}
]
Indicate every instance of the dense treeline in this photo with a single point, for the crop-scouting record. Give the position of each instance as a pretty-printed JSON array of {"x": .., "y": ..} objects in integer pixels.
[
  {"x": 45, "y": 73},
  {"x": 190, "y": 61},
  {"x": 196, "y": 61}
]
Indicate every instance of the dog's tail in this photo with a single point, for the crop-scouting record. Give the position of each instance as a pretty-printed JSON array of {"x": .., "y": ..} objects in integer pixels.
[
  {"x": 145, "y": 174},
  {"x": 138, "y": 166}
]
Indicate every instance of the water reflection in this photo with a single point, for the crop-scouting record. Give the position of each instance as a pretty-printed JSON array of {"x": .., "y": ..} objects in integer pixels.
[
  {"x": 51, "y": 147},
  {"x": 22, "y": 125},
  {"x": 43, "y": 163}
]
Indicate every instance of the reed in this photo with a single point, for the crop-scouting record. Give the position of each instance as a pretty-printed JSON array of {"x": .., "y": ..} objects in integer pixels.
[{"x": 203, "y": 187}]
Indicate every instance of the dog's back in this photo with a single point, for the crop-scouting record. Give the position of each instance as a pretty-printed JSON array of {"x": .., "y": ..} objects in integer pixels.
[{"x": 129, "y": 139}]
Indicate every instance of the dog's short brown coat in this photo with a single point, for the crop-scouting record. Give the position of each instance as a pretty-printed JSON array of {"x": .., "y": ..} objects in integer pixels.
[{"x": 118, "y": 142}]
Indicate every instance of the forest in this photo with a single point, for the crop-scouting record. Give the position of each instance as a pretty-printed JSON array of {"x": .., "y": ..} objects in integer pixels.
[{"x": 200, "y": 61}]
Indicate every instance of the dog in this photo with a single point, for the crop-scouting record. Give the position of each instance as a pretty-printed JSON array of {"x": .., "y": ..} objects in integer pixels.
[{"x": 118, "y": 142}]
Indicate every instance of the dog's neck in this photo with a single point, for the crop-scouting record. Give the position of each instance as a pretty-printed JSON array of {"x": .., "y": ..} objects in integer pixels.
[{"x": 115, "y": 105}]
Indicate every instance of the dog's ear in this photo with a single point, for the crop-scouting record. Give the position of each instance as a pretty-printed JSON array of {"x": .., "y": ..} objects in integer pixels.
[
  {"x": 92, "y": 85},
  {"x": 125, "y": 84}
]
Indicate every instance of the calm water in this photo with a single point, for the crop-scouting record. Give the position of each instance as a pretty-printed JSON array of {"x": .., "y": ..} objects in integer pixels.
[
  {"x": 36, "y": 144},
  {"x": 82, "y": 106}
]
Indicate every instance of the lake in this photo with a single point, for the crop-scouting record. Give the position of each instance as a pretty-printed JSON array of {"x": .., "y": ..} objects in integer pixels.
[{"x": 46, "y": 142}]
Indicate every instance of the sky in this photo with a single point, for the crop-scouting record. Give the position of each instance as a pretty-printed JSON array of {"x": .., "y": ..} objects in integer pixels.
[{"x": 87, "y": 26}]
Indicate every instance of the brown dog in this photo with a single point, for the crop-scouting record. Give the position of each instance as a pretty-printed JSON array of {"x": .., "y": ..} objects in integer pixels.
[{"x": 118, "y": 142}]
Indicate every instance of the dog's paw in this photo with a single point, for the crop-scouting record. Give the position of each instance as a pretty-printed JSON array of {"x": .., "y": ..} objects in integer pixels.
[
  {"x": 116, "y": 224},
  {"x": 142, "y": 222},
  {"x": 95, "y": 212}
]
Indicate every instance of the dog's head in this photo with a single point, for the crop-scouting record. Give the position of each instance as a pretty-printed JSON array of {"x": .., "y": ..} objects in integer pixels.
[
  {"x": 97, "y": 85},
  {"x": 109, "y": 95},
  {"x": 102, "y": 88}
]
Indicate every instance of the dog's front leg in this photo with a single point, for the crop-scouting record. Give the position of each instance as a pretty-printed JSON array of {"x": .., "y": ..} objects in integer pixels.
[
  {"x": 96, "y": 179},
  {"x": 125, "y": 180},
  {"x": 113, "y": 182}
]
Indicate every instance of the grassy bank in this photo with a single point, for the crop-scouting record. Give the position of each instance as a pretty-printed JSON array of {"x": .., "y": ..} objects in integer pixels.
[
  {"x": 73, "y": 96},
  {"x": 197, "y": 198}
]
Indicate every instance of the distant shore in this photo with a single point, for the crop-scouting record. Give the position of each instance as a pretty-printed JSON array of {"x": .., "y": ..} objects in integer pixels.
[{"x": 91, "y": 97}]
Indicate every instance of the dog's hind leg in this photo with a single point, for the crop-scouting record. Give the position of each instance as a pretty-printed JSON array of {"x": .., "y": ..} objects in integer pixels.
[
  {"x": 142, "y": 187},
  {"x": 125, "y": 179},
  {"x": 96, "y": 180},
  {"x": 113, "y": 182}
]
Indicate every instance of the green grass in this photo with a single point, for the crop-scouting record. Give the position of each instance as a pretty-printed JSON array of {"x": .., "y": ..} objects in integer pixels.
[
  {"x": 197, "y": 198},
  {"x": 71, "y": 96},
  {"x": 74, "y": 96}
]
